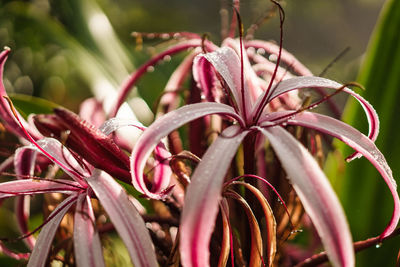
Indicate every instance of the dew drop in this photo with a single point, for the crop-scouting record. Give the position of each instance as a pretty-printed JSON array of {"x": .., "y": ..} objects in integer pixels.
[
  {"x": 202, "y": 97},
  {"x": 296, "y": 231},
  {"x": 251, "y": 50},
  {"x": 167, "y": 58},
  {"x": 378, "y": 245},
  {"x": 273, "y": 58},
  {"x": 176, "y": 35},
  {"x": 164, "y": 36},
  {"x": 150, "y": 69},
  {"x": 261, "y": 51}
]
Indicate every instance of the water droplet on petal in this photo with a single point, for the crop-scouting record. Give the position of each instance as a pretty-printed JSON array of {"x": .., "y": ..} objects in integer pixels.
[
  {"x": 296, "y": 231},
  {"x": 251, "y": 50},
  {"x": 150, "y": 69},
  {"x": 273, "y": 58},
  {"x": 167, "y": 58},
  {"x": 261, "y": 51},
  {"x": 164, "y": 36},
  {"x": 378, "y": 245}
]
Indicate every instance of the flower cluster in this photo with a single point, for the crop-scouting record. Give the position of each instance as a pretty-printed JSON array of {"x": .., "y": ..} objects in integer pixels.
[{"x": 249, "y": 140}]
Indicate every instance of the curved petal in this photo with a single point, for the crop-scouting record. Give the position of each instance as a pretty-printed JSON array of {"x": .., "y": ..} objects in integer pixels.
[
  {"x": 170, "y": 100},
  {"x": 87, "y": 246},
  {"x": 203, "y": 195},
  {"x": 36, "y": 186},
  {"x": 204, "y": 78},
  {"x": 318, "y": 82},
  {"x": 5, "y": 112},
  {"x": 174, "y": 49},
  {"x": 161, "y": 128},
  {"x": 227, "y": 63},
  {"x": 125, "y": 217},
  {"x": 18, "y": 256},
  {"x": 362, "y": 145},
  {"x": 161, "y": 154},
  {"x": 316, "y": 195},
  {"x": 91, "y": 110},
  {"x": 24, "y": 165},
  {"x": 60, "y": 155},
  {"x": 286, "y": 57},
  {"x": 39, "y": 254}
]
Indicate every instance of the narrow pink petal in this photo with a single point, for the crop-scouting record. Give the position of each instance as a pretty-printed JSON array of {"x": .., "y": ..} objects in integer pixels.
[
  {"x": 252, "y": 85},
  {"x": 316, "y": 194},
  {"x": 6, "y": 114},
  {"x": 34, "y": 186},
  {"x": 41, "y": 250},
  {"x": 318, "y": 82},
  {"x": 202, "y": 198},
  {"x": 22, "y": 212},
  {"x": 92, "y": 111},
  {"x": 227, "y": 63},
  {"x": 18, "y": 256},
  {"x": 174, "y": 49},
  {"x": 87, "y": 246},
  {"x": 24, "y": 164},
  {"x": 24, "y": 161},
  {"x": 362, "y": 145},
  {"x": 60, "y": 155},
  {"x": 161, "y": 128},
  {"x": 286, "y": 57},
  {"x": 125, "y": 217},
  {"x": 170, "y": 100},
  {"x": 161, "y": 167},
  {"x": 204, "y": 77}
]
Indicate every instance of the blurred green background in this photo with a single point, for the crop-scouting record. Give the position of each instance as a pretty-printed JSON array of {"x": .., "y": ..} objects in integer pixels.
[{"x": 66, "y": 51}]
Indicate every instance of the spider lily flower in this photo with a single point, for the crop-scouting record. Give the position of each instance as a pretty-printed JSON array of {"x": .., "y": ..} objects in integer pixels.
[
  {"x": 86, "y": 140},
  {"x": 248, "y": 113},
  {"x": 87, "y": 183}
]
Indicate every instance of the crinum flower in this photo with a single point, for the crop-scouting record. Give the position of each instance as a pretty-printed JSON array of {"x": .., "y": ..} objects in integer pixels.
[
  {"x": 248, "y": 112},
  {"x": 89, "y": 146}
]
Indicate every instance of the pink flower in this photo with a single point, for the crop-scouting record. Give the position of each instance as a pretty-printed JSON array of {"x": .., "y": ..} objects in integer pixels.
[
  {"x": 248, "y": 111},
  {"x": 87, "y": 182}
]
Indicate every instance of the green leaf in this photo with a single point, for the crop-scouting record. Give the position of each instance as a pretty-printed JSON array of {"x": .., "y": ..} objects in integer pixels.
[
  {"x": 29, "y": 104},
  {"x": 366, "y": 198}
]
